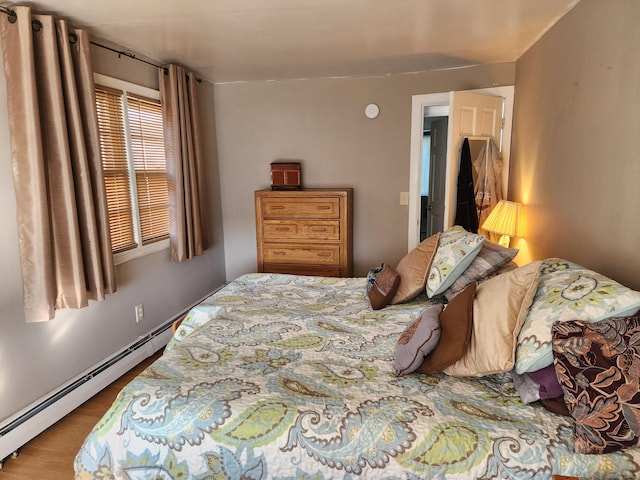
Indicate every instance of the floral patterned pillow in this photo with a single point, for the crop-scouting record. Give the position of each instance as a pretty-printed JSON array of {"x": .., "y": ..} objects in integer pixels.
[
  {"x": 598, "y": 365},
  {"x": 567, "y": 291},
  {"x": 456, "y": 250}
]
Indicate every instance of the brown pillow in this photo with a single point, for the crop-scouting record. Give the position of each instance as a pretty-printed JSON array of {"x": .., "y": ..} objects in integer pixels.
[
  {"x": 456, "y": 323},
  {"x": 414, "y": 268},
  {"x": 556, "y": 405},
  {"x": 384, "y": 288}
]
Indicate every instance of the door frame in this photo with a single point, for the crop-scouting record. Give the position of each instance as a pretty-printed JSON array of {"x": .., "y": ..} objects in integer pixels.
[{"x": 418, "y": 104}]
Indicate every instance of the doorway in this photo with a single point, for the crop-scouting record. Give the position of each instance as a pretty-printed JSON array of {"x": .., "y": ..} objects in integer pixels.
[
  {"x": 434, "y": 158},
  {"x": 461, "y": 123}
]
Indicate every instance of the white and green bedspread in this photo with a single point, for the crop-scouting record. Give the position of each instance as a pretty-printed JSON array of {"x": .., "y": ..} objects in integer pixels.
[{"x": 285, "y": 377}]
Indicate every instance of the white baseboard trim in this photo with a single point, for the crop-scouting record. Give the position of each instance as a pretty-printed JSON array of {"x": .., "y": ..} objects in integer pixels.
[
  {"x": 44, "y": 412},
  {"x": 40, "y": 415}
]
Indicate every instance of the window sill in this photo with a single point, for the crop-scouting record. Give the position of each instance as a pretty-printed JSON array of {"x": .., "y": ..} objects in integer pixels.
[{"x": 123, "y": 257}]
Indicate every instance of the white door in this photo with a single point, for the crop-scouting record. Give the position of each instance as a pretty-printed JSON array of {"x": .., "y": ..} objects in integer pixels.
[{"x": 470, "y": 115}]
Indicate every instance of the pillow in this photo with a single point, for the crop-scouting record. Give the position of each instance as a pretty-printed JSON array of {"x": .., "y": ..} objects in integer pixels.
[
  {"x": 555, "y": 405},
  {"x": 417, "y": 340},
  {"x": 528, "y": 390},
  {"x": 413, "y": 269},
  {"x": 547, "y": 381},
  {"x": 456, "y": 322},
  {"x": 504, "y": 269},
  {"x": 499, "y": 309},
  {"x": 568, "y": 292},
  {"x": 372, "y": 275},
  {"x": 491, "y": 258},
  {"x": 456, "y": 250},
  {"x": 384, "y": 288},
  {"x": 598, "y": 365},
  {"x": 545, "y": 388}
]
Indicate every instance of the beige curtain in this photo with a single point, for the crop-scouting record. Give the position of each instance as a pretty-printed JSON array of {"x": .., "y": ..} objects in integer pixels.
[
  {"x": 63, "y": 225},
  {"x": 184, "y": 161}
]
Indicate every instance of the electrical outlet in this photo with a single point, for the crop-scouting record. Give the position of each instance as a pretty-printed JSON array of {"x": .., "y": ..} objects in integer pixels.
[
  {"x": 139, "y": 312},
  {"x": 404, "y": 198}
]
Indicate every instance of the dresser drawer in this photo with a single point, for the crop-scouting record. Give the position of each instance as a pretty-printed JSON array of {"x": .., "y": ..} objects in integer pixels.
[
  {"x": 302, "y": 269},
  {"x": 308, "y": 254},
  {"x": 300, "y": 230},
  {"x": 311, "y": 207}
]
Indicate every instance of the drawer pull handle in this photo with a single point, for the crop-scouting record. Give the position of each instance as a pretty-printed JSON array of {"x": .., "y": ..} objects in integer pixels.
[
  {"x": 324, "y": 254},
  {"x": 319, "y": 230},
  {"x": 323, "y": 207},
  {"x": 277, "y": 207},
  {"x": 279, "y": 253},
  {"x": 282, "y": 229}
]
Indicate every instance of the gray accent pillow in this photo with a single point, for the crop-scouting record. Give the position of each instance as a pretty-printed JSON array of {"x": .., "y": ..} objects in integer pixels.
[
  {"x": 418, "y": 340},
  {"x": 491, "y": 258}
]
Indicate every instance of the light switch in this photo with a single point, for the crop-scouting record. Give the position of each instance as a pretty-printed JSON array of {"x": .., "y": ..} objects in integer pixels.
[{"x": 404, "y": 198}]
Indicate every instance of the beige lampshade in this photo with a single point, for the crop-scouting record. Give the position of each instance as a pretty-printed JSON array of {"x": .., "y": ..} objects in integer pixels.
[{"x": 506, "y": 218}]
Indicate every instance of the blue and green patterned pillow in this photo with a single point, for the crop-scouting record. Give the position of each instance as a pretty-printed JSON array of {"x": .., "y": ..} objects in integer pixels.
[
  {"x": 568, "y": 291},
  {"x": 456, "y": 250}
]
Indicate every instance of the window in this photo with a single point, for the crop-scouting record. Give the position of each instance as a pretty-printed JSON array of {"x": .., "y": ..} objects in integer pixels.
[{"x": 133, "y": 160}]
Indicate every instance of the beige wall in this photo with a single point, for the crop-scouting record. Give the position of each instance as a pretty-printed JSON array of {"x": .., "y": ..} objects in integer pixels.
[
  {"x": 37, "y": 358},
  {"x": 321, "y": 122},
  {"x": 577, "y": 137}
]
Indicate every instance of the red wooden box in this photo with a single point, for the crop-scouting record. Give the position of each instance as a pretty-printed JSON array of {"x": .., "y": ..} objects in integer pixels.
[{"x": 286, "y": 176}]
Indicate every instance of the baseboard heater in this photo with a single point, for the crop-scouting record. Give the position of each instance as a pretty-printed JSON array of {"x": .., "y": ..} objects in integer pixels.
[{"x": 46, "y": 411}]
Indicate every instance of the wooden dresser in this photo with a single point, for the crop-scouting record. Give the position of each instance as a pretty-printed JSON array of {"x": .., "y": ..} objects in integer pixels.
[{"x": 305, "y": 232}]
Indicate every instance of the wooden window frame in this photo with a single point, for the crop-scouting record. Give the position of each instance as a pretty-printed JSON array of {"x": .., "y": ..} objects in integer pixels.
[{"x": 141, "y": 248}]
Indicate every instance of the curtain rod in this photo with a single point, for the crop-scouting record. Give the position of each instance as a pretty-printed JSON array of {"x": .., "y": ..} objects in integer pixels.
[
  {"x": 13, "y": 17},
  {"x": 130, "y": 55},
  {"x": 10, "y": 13},
  {"x": 133, "y": 57}
]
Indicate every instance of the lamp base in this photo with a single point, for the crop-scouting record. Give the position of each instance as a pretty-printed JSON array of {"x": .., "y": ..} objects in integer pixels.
[{"x": 504, "y": 241}]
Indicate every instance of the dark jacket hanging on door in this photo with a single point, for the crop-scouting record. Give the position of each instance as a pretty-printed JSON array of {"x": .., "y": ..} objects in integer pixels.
[{"x": 466, "y": 214}]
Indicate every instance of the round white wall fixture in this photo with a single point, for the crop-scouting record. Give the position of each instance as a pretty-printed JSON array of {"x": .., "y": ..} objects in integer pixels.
[{"x": 372, "y": 110}]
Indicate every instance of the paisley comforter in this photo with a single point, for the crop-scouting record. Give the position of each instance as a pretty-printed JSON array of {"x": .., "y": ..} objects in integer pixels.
[{"x": 290, "y": 377}]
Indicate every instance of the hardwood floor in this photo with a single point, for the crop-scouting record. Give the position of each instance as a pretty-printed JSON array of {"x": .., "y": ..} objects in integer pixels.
[{"x": 50, "y": 455}]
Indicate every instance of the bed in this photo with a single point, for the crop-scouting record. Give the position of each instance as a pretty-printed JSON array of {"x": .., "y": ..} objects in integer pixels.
[{"x": 293, "y": 377}]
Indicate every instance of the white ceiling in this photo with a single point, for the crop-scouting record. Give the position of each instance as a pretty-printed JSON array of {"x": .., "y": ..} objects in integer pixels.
[{"x": 244, "y": 40}]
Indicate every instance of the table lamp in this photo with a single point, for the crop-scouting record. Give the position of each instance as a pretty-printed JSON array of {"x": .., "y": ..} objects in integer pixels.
[{"x": 506, "y": 219}]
